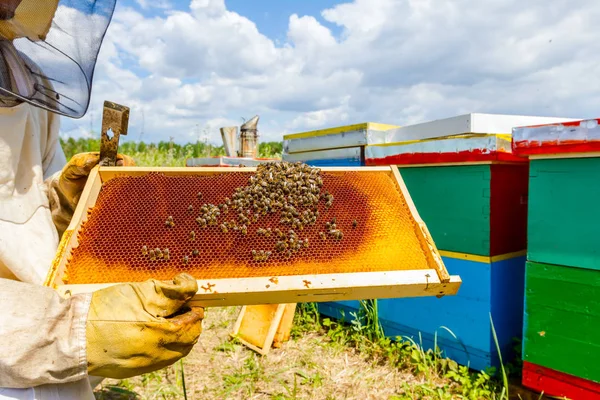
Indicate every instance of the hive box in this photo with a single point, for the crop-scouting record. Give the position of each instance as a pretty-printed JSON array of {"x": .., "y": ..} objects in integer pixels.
[
  {"x": 564, "y": 214},
  {"x": 560, "y": 334},
  {"x": 577, "y": 136},
  {"x": 334, "y": 138},
  {"x": 488, "y": 287},
  {"x": 478, "y": 208},
  {"x": 472, "y": 123},
  {"x": 453, "y": 149},
  {"x": 349, "y": 156}
]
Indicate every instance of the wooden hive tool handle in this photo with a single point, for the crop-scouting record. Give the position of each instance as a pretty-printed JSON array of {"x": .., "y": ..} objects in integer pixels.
[{"x": 115, "y": 121}]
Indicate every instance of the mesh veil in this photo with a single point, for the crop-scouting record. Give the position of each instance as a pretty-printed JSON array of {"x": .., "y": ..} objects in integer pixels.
[{"x": 56, "y": 73}]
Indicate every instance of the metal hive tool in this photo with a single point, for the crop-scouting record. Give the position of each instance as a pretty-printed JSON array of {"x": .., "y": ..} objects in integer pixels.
[{"x": 264, "y": 251}]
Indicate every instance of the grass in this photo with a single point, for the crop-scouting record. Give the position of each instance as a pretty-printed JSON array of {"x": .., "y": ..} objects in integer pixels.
[{"x": 325, "y": 358}]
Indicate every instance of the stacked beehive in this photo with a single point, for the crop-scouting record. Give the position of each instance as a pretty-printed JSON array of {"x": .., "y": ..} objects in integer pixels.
[
  {"x": 562, "y": 296},
  {"x": 340, "y": 146},
  {"x": 471, "y": 191}
]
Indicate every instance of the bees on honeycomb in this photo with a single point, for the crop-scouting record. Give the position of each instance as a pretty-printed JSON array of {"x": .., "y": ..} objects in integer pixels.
[{"x": 291, "y": 191}]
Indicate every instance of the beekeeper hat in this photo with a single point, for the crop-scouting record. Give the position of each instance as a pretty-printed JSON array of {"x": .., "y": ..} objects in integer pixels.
[{"x": 49, "y": 50}]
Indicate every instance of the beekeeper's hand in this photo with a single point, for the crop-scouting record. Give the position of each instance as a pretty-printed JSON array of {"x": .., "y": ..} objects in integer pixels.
[
  {"x": 65, "y": 187},
  {"x": 138, "y": 328}
]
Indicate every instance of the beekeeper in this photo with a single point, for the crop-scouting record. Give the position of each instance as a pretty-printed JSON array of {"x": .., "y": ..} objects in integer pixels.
[{"x": 53, "y": 347}]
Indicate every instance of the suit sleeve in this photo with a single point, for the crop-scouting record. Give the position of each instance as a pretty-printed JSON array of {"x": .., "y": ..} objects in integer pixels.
[{"x": 43, "y": 335}]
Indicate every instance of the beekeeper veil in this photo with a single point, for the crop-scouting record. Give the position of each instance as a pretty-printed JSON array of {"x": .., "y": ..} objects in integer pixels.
[{"x": 48, "y": 51}]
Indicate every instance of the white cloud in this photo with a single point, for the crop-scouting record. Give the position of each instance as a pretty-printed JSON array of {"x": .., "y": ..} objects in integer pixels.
[{"x": 396, "y": 62}]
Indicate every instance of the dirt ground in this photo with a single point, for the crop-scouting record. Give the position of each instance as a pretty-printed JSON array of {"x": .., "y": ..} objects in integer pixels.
[{"x": 309, "y": 367}]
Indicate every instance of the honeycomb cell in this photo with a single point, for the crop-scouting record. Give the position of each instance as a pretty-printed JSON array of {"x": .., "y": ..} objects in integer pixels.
[{"x": 285, "y": 219}]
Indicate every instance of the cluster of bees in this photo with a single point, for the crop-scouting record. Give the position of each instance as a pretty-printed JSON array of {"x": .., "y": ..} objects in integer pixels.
[
  {"x": 156, "y": 254},
  {"x": 291, "y": 189}
]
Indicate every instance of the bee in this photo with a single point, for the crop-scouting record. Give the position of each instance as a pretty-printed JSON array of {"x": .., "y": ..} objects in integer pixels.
[
  {"x": 223, "y": 228},
  {"x": 333, "y": 220},
  {"x": 186, "y": 259},
  {"x": 337, "y": 234},
  {"x": 201, "y": 222},
  {"x": 169, "y": 222},
  {"x": 244, "y": 230},
  {"x": 268, "y": 232},
  {"x": 254, "y": 254},
  {"x": 225, "y": 208},
  {"x": 322, "y": 235},
  {"x": 152, "y": 255},
  {"x": 144, "y": 250},
  {"x": 261, "y": 231},
  {"x": 280, "y": 246},
  {"x": 166, "y": 254},
  {"x": 328, "y": 225},
  {"x": 190, "y": 208},
  {"x": 158, "y": 252},
  {"x": 354, "y": 223},
  {"x": 199, "y": 195},
  {"x": 192, "y": 236},
  {"x": 195, "y": 252},
  {"x": 305, "y": 242},
  {"x": 333, "y": 226}
]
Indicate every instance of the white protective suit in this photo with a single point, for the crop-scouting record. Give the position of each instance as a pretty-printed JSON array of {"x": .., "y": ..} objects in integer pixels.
[{"x": 35, "y": 323}]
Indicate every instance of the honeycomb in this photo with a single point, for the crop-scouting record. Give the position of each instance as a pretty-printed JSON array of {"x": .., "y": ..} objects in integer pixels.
[{"x": 156, "y": 225}]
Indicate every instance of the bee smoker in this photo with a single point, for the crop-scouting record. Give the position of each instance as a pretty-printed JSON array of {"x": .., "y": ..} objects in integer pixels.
[{"x": 249, "y": 138}]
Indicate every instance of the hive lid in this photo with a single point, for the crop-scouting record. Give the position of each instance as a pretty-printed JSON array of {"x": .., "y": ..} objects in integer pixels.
[
  {"x": 337, "y": 137},
  {"x": 384, "y": 251}
]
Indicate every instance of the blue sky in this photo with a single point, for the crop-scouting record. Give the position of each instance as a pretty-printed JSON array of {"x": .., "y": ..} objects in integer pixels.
[{"x": 188, "y": 67}]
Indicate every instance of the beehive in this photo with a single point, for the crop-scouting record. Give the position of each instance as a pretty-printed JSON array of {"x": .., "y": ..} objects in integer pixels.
[
  {"x": 384, "y": 249},
  {"x": 562, "y": 311}
]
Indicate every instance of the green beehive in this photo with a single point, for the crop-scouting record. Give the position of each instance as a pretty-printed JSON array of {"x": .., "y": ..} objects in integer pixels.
[
  {"x": 478, "y": 209},
  {"x": 562, "y": 319},
  {"x": 564, "y": 212}
]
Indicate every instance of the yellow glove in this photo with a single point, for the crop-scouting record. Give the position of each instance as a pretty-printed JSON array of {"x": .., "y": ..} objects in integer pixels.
[
  {"x": 136, "y": 328},
  {"x": 65, "y": 188}
]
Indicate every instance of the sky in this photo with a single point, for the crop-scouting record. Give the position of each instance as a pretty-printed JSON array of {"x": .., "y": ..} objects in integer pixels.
[{"x": 188, "y": 67}]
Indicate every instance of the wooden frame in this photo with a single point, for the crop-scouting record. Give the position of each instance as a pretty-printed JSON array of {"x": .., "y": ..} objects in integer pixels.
[
  {"x": 248, "y": 330},
  {"x": 271, "y": 290}
]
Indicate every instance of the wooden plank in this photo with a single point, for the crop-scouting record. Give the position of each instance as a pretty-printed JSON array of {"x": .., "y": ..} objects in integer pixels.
[
  {"x": 285, "y": 326},
  {"x": 564, "y": 222},
  {"x": 554, "y": 383},
  {"x": 107, "y": 173},
  {"x": 562, "y": 319},
  {"x": 309, "y": 288}
]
